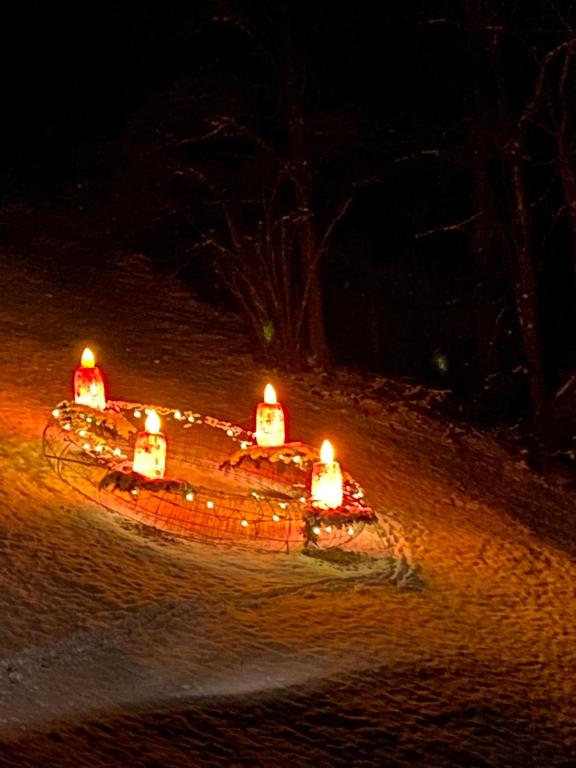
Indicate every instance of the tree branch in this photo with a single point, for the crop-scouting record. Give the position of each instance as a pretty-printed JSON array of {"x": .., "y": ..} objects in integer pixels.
[
  {"x": 460, "y": 227},
  {"x": 533, "y": 104},
  {"x": 418, "y": 155}
]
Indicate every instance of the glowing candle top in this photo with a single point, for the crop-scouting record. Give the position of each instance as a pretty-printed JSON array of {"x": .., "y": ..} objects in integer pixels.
[
  {"x": 87, "y": 360},
  {"x": 326, "y": 452},
  {"x": 270, "y": 395},
  {"x": 152, "y": 424}
]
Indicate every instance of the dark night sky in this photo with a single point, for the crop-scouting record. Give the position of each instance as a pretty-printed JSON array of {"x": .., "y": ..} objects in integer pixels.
[
  {"x": 72, "y": 74},
  {"x": 76, "y": 78}
]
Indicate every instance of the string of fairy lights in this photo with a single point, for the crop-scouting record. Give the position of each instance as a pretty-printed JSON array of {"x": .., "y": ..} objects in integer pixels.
[{"x": 290, "y": 477}]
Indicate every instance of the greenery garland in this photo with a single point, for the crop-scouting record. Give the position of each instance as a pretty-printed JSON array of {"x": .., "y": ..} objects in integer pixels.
[
  {"x": 299, "y": 454},
  {"x": 132, "y": 481}
]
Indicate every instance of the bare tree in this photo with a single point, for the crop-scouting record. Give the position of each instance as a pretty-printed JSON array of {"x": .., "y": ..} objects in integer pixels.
[
  {"x": 265, "y": 175},
  {"x": 514, "y": 124}
]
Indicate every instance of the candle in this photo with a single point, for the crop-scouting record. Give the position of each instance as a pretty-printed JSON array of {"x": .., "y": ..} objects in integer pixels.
[
  {"x": 150, "y": 449},
  {"x": 326, "y": 487},
  {"x": 270, "y": 430},
  {"x": 89, "y": 383}
]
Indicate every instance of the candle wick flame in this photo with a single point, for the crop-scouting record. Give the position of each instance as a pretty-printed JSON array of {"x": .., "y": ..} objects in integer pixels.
[
  {"x": 326, "y": 452},
  {"x": 269, "y": 395},
  {"x": 152, "y": 424},
  {"x": 87, "y": 359}
]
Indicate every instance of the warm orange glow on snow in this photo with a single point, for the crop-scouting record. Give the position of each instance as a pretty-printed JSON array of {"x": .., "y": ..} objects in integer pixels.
[
  {"x": 326, "y": 485},
  {"x": 89, "y": 383},
  {"x": 87, "y": 360},
  {"x": 150, "y": 449},
  {"x": 270, "y": 428}
]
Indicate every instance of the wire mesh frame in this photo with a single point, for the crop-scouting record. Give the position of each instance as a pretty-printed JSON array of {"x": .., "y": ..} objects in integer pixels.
[{"x": 274, "y": 521}]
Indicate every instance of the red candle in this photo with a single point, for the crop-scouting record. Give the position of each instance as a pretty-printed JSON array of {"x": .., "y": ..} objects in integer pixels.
[
  {"x": 326, "y": 486},
  {"x": 150, "y": 449},
  {"x": 89, "y": 383},
  {"x": 270, "y": 429}
]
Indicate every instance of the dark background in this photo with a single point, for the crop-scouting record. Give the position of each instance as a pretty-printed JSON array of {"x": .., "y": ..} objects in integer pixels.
[{"x": 87, "y": 87}]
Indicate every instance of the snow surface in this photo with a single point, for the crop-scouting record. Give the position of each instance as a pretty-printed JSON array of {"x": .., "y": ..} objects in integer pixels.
[{"x": 123, "y": 646}]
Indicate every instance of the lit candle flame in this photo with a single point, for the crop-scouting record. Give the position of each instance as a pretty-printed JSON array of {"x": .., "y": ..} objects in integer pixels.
[
  {"x": 269, "y": 395},
  {"x": 326, "y": 452},
  {"x": 87, "y": 359},
  {"x": 152, "y": 424}
]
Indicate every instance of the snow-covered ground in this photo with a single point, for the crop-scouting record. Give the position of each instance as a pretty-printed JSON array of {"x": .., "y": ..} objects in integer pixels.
[{"x": 123, "y": 646}]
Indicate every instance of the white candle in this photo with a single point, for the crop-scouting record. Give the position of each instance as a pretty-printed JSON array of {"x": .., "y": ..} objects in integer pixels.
[
  {"x": 89, "y": 386},
  {"x": 150, "y": 449},
  {"x": 270, "y": 428},
  {"x": 326, "y": 484}
]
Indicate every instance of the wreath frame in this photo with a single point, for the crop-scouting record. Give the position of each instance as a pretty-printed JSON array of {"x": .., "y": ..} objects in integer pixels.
[{"x": 91, "y": 451}]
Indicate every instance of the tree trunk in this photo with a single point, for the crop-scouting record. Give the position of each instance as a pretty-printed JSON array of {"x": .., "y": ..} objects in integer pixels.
[
  {"x": 485, "y": 250},
  {"x": 317, "y": 342},
  {"x": 565, "y": 145},
  {"x": 314, "y": 338},
  {"x": 568, "y": 180},
  {"x": 527, "y": 301}
]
